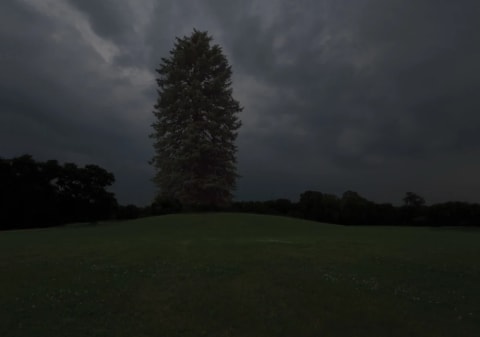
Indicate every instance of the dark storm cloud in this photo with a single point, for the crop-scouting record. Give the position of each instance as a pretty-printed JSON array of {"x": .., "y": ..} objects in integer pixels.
[
  {"x": 109, "y": 18},
  {"x": 381, "y": 88},
  {"x": 60, "y": 100},
  {"x": 371, "y": 95},
  {"x": 118, "y": 22}
]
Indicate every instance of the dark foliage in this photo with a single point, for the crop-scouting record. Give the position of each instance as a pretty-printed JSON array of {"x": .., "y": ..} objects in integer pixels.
[
  {"x": 128, "y": 212},
  {"x": 43, "y": 194},
  {"x": 454, "y": 214},
  {"x": 353, "y": 209},
  {"x": 195, "y": 126},
  {"x": 164, "y": 205}
]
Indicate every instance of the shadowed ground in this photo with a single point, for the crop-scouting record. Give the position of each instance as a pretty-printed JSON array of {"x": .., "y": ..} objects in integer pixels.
[{"x": 239, "y": 275}]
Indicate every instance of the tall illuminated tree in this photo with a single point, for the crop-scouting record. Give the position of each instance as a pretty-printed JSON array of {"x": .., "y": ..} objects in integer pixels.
[{"x": 196, "y": 123}]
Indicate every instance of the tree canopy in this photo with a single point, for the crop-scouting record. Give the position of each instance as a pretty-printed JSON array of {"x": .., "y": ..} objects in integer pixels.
[
  {"x": 195, "y": 124},
  {"x": 42, "y": 194}
]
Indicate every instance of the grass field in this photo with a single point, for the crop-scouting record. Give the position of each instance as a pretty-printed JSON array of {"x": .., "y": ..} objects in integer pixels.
[{"x": 239, "y": 275}]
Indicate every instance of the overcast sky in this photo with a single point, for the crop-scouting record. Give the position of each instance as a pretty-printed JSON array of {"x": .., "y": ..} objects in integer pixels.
[{"x": 380, "y": 97}]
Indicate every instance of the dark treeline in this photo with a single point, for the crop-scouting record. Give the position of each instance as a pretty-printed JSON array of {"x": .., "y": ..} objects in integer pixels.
[
  {"x": 353, "y": 209},
  {"x": 43, "y": 194},
  {"x": 349, "y": 209}
]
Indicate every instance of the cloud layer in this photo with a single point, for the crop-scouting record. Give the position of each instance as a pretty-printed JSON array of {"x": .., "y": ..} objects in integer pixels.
[{"x": 379, "y": 97}]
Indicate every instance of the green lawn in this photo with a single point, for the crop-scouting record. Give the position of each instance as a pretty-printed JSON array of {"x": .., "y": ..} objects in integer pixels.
[{"x": 239, "y": 275}]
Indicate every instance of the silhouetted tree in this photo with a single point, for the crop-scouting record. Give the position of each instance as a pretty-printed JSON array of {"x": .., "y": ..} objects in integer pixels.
[
  {"x": 454, "y": 214},
  {"x": 319, "y": 206},
  {"x": 41, "y": 194},
  {"x": 309, "y": 205},
  {"x": 165, "y": 205},
  {"x": 355, "y": 210},
  {"x": 27, "y": 192},
  {"x": 128, "y": 212},
  {"x": 385, "y": 215},
  {"x": 83, "y": 195},
  {"x": 413, "y": 210},
  {"x": 278, "y": 206},
  {"x": 196, "y": 123},
  {"x": 413, "y": 200}
]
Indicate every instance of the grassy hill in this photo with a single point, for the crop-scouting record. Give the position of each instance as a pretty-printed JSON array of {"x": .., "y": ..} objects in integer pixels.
[{"x": 239, "y": 275}]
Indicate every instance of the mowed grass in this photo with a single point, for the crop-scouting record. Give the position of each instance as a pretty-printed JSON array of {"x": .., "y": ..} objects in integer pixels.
[{"x": 239, "y": 275}]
